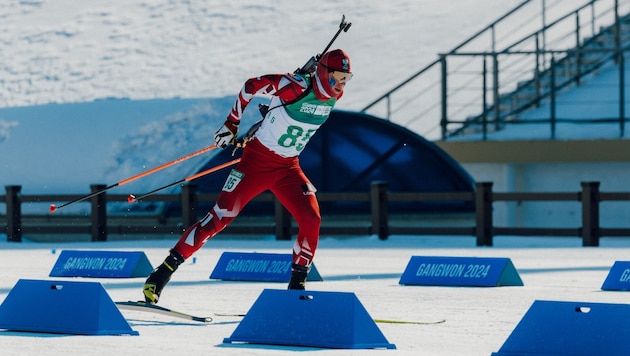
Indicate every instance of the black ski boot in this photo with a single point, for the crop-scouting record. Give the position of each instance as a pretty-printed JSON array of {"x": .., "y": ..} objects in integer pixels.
[
  {"x": 160, "y": 276},
  {"x": 298, "y": 277}
]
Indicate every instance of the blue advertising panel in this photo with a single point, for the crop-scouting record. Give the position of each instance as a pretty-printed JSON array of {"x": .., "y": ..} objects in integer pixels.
[
  {"x": 253, "y": 266},
  {"x": 618, "y": 277},
  {"x": 101, "y": 264},
  {"x": 460, "y": 271}
]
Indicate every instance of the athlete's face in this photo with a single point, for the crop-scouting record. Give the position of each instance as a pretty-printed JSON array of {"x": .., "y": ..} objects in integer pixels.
[{"x": 338, "y": 81}]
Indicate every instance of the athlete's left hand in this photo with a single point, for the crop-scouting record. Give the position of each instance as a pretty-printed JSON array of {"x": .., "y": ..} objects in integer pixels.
[{"x": 226, "y": 135}]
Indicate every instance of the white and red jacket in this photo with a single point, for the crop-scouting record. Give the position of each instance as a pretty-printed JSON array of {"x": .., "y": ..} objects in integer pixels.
[{"x": 296, "y": 111}]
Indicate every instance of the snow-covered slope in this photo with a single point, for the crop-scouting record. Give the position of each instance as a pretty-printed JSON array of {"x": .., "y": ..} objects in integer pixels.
[{"x": 97, "y": 91}]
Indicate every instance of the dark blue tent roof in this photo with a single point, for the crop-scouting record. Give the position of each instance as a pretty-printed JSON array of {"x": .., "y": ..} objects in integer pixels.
[{"x": 352, "y": 150}]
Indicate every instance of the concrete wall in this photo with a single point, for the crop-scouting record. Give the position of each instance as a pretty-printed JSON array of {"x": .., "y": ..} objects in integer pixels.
[{"x": 548, "y": 166}]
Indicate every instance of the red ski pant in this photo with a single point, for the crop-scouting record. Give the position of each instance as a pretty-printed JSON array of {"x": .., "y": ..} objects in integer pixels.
[{"x": 259, "y": 170}]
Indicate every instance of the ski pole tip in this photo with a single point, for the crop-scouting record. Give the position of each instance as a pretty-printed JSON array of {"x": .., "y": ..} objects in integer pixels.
[
  {"x": 52, "y": 208},
  {"x": 131, "y": 198}
]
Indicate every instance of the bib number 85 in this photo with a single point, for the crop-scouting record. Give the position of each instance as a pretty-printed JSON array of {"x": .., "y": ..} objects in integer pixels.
[{"x": 295, "y": 137}]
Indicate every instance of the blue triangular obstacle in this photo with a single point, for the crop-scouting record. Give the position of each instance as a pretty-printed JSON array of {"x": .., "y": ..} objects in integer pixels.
[
  {"x": 618, "y": 277},
  {"x": 460, "y": 271},
  {"x": 570, "y": 328},
  {"x": 101, "y": 264},
  {"x": 309, "y": 319},
  {"x": 255, "y": 266},
  {"x": 62, "y": 307}
]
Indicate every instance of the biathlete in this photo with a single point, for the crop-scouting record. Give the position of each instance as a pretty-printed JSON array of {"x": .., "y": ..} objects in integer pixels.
[{"x": 300, "y": 104}]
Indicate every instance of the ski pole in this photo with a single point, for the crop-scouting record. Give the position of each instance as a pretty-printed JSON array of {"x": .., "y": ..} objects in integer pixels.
[
  {"x": 133, "y": 199},
  {"x": 54, "y": 208}
]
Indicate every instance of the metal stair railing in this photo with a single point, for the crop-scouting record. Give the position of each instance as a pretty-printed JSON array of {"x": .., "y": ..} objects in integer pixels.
[
  {"x": 504, "y": 63},
  {"x": 566, "y": 68}
]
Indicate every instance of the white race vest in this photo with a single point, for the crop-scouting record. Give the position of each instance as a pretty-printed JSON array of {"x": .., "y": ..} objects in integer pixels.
[{"x": 285, "y": 135}]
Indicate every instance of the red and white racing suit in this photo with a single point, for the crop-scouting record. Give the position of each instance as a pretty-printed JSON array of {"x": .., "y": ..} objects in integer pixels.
[{"x": 270, "y": 162}]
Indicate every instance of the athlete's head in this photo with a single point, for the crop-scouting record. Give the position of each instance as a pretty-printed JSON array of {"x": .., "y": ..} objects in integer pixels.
[{"x": 331, "y": 74}]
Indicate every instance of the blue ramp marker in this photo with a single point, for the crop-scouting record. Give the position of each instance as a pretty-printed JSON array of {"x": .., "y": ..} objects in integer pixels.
[
  {"x": 253, "y": 266},
  {"x": 309, "y": 319},
  {"x": 62, "y": 307},
  {"x": 460, "y": 271},
  {"x": 101, "y": 264},
  {"x": 618, "y": 277},
  {"x": 570, "y": 328}
]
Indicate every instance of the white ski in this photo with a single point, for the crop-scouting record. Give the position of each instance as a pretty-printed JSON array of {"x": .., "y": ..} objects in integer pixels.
[{"x": 147, "y": 307}]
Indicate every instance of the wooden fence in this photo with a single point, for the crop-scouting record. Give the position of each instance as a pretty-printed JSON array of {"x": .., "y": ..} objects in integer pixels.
[{"x": 96, "y": 224}]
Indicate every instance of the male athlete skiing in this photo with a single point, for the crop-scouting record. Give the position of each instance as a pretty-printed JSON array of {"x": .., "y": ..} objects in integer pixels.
[{"x": 300, "y": 104}]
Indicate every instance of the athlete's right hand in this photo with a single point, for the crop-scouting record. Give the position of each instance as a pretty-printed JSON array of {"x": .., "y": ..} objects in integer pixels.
[{"x": 226, "y": 135}]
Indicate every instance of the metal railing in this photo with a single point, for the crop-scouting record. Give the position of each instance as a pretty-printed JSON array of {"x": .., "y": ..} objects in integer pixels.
[
  {"x": 514, "y": 64},
  {"x": 379, "y": 221}
]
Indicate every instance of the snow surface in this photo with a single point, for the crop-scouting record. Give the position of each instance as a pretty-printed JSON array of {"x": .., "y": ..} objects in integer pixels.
[
  {"x": 65, "y": 51},
  {"x": 94, "y": 92},
  {"x": 478, "y": 319}
]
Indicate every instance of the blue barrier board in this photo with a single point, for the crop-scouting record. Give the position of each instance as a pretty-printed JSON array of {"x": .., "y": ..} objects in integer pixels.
[
  {"x": 64, "y": 307},
  {"x": 253, "y": 266},
  {"x": 618, "y": 277},
  {"x": 569, "y": 328},
  {"x": 101, "y": 264},
  {"x": 460, "y": 271},
  {"x": 333, "y": 320}
]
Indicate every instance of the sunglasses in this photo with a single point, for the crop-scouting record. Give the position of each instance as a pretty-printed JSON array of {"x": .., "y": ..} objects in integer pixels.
[
  {"x": 337, "y": 76},
  {"x": 341, "y": 77}
]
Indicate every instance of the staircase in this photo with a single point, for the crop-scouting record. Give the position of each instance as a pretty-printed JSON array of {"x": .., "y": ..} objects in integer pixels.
[{"x": 483, "y": 85}]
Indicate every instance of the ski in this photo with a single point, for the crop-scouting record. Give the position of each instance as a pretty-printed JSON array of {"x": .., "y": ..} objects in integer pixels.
[
  {"x": 230, "y": 314},
  {"x": 147, "y": 307},
  {"x": 382, "y": 321},
  {"x": 389, "y": 321}
]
